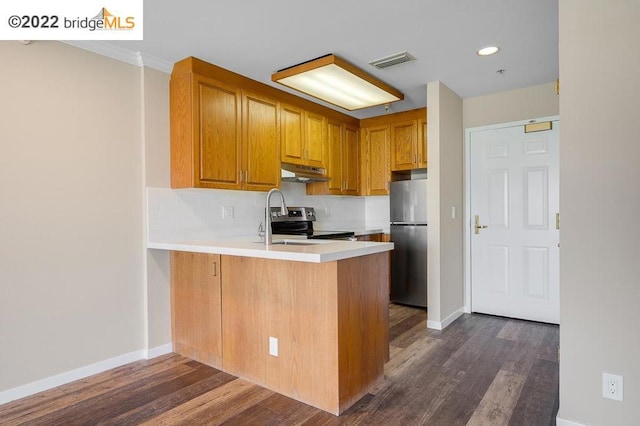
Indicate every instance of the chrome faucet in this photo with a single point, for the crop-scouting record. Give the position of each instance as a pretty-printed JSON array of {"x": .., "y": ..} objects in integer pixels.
[{"x": 268, "y": 233}]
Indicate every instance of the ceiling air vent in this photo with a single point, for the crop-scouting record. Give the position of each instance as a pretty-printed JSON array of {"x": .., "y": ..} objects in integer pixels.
[{"x": 389, "y": 61}]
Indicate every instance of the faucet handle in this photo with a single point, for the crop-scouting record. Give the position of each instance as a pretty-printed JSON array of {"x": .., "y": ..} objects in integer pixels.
[{"x": 261, "y": 232}]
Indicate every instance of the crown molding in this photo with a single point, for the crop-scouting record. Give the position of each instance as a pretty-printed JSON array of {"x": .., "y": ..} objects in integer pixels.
[{"x": 138, "y": 59}]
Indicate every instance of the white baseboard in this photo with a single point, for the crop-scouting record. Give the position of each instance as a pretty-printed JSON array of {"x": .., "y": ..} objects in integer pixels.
[
  {"x": 563, "y": 422},
  {"x": 159, "y": 351},
  {"x": 82, "y": 372},
  {"x": 441, "y": 325}
]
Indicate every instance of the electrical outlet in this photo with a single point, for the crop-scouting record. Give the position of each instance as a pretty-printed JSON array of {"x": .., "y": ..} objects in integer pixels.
[
  {"x": 612, "y": 386},
  {"x": 273, "y": 346},
  {"x": 227, "y": 212}
]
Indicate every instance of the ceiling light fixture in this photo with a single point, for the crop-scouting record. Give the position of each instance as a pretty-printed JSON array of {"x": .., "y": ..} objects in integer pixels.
[
  {"x": 487, "y": 51},
  {"x": 338, "y": 82}
]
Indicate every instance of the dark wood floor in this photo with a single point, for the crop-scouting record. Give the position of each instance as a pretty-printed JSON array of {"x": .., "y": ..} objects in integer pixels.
[{"x": 481, "y": 370}]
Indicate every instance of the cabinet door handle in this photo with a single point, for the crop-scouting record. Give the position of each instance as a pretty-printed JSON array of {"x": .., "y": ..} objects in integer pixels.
[
  {"x": 240, "y": 175},
  {"x": 246, "y": 176},
  {"x": 215, "y": 269}
]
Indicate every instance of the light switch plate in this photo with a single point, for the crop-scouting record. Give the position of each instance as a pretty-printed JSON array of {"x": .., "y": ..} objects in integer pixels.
[{"x": 227, "y": 212}]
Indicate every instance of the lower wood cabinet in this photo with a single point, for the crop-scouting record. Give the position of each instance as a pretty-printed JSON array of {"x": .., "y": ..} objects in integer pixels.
[
  {"x": 331, "y": 322},
  {"x": 196, "y": 325}
]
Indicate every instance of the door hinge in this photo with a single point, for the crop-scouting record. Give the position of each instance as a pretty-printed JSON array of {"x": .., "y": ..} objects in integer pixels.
[{"x": 557, "y": 220}]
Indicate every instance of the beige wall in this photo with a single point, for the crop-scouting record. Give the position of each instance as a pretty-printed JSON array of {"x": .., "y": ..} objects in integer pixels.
[
  {"x": 600, "y": 205},
  {"x": 513, "y": 105},
  {"x": 71, "y": 229},
  {"x": 445, "y": 292},
  {"x": 155, "y": 87}
]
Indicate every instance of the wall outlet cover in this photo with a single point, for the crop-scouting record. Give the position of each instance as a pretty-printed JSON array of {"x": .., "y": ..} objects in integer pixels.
[{"x": 612, "y": 386}]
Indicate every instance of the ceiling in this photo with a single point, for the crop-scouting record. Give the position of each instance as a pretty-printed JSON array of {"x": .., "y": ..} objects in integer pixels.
[{"x": 255, "y": 38}]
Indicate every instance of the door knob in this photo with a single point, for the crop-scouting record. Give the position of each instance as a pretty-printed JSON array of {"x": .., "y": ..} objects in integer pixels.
[{"x": 477, "y": 225}]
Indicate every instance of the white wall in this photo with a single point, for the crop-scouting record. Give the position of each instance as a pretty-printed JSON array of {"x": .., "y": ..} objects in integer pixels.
[
  {"x": 512, "y": 105},
  {"x": 600, "y": 207},
  {"x": 197, "y": 213},
  {"x": 445, "y": 286},
  {"x": 71, "y": 226},
  {"x": 155, "y": 95}
]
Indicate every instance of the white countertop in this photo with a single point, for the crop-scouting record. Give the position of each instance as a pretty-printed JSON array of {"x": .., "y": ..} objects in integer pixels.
[{"x": 319, "y": 251}]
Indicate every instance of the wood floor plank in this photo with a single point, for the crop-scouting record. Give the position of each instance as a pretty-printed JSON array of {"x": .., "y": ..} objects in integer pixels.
[
  {"x": 214, "y": 407},
  {"x": 538, "y": 402},
  {"x": 51, "y": 400},
  {"x": 497, "y": 405},
  {"x": 171, "y": 399},
  {"x": 468, "y": 373},
  {"x": 122, "y": 399}
]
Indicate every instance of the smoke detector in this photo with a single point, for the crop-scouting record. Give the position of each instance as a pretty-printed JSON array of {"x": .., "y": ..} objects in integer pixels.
[{"x": 390, "y": 61}]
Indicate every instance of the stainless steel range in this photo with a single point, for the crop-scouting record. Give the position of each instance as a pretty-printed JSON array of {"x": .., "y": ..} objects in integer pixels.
[{"x": 299, "y": 221}]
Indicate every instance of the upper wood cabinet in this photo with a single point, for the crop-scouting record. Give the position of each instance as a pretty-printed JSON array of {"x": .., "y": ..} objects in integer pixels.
[
  {"x": 222, "y": 136},
  {"x": 304, "y": 137},
  {"x": 351, "y": 161},
  {"x": 404, "y": 147},
  {"x": 409, "y": 144},
  {"x": 292, "y": 129},
  {"x": 343, "y": 161},
  {"x": 422, "y": 143},
  {"x": 375, "y": 163},
  {"x": 261, "y": 137}
]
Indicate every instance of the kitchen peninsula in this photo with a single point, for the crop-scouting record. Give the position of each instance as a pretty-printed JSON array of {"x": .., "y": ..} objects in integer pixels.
[{"x": 309, "y": 321}]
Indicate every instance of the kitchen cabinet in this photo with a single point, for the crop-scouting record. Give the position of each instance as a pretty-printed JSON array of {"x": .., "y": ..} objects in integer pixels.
[
  {"x": 222, "y": 136},
  {"x": 404, "y": 145},
  {"x": 329, "y": 319},
  {"x": 375, "y": 164},
  {"x": 378, "y": 238},
  {"x": 422, "y": 143},
  {"x": 342, "y": 161},
  {"x": 261, "y": 143},
  {"x": 196, "y": 321},
  {"x": 409, "y": 145},
  {"x": 304, "y": 136}
]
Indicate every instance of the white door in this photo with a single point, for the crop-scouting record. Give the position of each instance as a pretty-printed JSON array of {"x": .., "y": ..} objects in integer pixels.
[{"x": 514, "y": 243}]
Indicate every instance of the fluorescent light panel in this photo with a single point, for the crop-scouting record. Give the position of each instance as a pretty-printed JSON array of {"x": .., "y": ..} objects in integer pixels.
[{"x": 337, "y": 82}]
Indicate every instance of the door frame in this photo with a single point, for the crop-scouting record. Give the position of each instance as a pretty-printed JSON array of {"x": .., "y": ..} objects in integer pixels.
[{"x": 467, "y": 195}]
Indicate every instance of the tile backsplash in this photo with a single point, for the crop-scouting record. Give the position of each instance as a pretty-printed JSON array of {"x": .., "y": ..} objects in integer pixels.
[{"x": 198, "y": 213}]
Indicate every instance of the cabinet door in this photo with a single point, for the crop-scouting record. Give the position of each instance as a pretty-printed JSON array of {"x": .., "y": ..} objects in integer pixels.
[
  {"x": 378, "y": 160},
  {"x": 218, "y": 123},
  {"x": 261, "y": 143},
  {"x": 404, "y": 137},
  {"x": 335, "y": 158},
  {"x": 196, "y": 323},
  {"x": 292, "y": 130},
  {"x": 350, "y": 161},
  {"x": 316, "y": 139},
  {"x": 422, "y": 143}
]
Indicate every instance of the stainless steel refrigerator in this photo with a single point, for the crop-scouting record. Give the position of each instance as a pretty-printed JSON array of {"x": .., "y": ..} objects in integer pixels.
[{"x": 408, "y": 214}]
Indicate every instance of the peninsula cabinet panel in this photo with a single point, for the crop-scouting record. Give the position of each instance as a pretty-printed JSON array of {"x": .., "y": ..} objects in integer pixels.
[
  {"x": 330, "y": 319},
  {"x": 196, "y": 325},
  {"x": 404, "y": 138},
  {"x": 261, "y": 135}
]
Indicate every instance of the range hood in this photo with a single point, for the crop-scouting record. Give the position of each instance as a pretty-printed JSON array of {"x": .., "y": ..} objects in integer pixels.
[{"x": 303, "y": 174}]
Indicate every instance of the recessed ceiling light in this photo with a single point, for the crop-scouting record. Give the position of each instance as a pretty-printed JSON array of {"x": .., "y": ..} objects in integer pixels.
[{"x": 489, "y": 50}]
